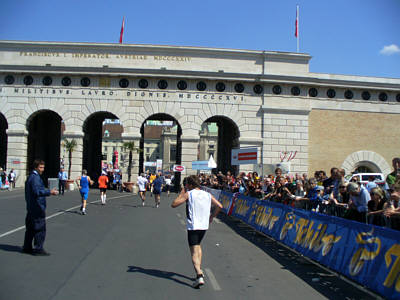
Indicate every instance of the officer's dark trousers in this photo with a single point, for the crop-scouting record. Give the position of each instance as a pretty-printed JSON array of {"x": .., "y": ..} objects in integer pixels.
[
  {"x": 35, "y": 231},
  {"x": 61, "y": 187}
]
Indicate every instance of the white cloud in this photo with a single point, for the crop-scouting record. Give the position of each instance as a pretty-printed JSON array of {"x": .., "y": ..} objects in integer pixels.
[{"x": 389, "y": 50}]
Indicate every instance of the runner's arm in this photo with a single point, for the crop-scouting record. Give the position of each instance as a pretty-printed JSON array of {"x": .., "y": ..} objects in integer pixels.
[
  {"x": 217, "y": 209},
  {"x": 182, "y": 198}
]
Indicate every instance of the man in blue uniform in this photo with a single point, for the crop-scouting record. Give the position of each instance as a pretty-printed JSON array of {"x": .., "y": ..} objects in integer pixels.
[{"x": 35, "y": 221}]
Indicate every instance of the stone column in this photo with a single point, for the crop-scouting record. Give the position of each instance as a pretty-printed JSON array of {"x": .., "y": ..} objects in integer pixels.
[
  {"x": 286, "y": 130},
  {"x": 131, "y": 137},
  {"x": 189, "y": 153},
  {"x": 17, "y": 154},
  {"x": 77, "y": 154}
]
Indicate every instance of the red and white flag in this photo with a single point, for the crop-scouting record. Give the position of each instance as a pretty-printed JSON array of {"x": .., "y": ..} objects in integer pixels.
[
  {"x": 296, "y": 32},
  {"x": 122, "y": 30}
]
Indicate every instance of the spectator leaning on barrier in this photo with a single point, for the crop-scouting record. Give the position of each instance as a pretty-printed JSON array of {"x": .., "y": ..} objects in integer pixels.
[
  {"x": 332, "y": 183},
  {"x": 358, "y": 206},
  {"x": 376, "y": 207}
]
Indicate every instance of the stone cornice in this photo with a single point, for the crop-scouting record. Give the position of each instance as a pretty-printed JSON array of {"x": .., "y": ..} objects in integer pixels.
[
  {"x": 172, "y": 50},
  {"x": 290, "y": 110},
  {"x": 338, "y": 81},
  {"x": 16, "y": 132}
]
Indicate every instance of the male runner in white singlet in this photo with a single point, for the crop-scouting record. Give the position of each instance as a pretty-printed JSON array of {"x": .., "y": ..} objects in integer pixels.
[{"x": 198, "y": 212}]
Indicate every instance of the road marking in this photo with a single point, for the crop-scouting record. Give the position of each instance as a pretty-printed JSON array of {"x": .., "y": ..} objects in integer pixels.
[
  {"x": 182, "y": 222},
  {"x": 213, "y": 280},
  {"x": 55, "y": 215},
  {"x": 179, "y": 215}
]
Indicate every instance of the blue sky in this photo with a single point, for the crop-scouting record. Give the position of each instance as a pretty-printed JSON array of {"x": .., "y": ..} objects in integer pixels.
[{"x": 354, "y": 37}]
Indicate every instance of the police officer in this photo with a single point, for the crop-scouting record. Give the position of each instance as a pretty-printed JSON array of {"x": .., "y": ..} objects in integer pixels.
[{"x": 35, "y": 221}]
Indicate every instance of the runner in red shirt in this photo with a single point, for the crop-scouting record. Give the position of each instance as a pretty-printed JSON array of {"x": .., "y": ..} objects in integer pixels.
[{"x": 103, "y": 181}]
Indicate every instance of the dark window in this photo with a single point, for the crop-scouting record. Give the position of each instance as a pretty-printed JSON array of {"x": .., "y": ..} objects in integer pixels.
[
  {"x": 9, "y": 79},
  {"x": 313, "y": 92},
  {"x": 85, "y": 81},
  {"x": 124, "y": 83},
  {"x": 295, "y": 91},
  {"x": 143, "y": 83},
  {"x": 239, "y": 88},
  {"x": 277, "y": 89},
  {"x": 182, "y": 85},
  {"x": 258, "y": 89},
  {"x": 47, "y": 80},
  {"x": 172, "y": 152},
  {"x": 331, "y": 93},
  {"x": 201, "y": 86},
  {"x": 383, "y": 96},
  {"x": 220, "y": 87},
  {"x": 66, "y": 81},
  {"x": 28, "y": 80},
  {"x": 366, "y": 95},
  {"x": 398, "y": 97},
  {"x": 348, "y": 94},
  {"x": 162, "y": 84}
]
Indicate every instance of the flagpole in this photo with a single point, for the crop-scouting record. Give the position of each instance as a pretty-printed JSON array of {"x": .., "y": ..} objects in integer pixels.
[{"x": 298, "y": 31}]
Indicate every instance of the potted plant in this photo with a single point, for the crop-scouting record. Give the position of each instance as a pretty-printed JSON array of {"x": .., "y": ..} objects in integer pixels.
[
  {"x": 130, "y": 146},
  {"x": 70, "y": 146}
]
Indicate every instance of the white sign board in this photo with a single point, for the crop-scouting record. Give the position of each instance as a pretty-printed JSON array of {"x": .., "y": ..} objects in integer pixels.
[
  {"x": 244, "y": 156},
  {"x": 159, "y": 164},
  {"x": 150, "y": 164}
]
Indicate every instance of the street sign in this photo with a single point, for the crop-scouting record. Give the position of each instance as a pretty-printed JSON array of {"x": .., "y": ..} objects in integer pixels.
[
  {"x": 178, "y": 168},
  {"x": 244, "y": 156}
]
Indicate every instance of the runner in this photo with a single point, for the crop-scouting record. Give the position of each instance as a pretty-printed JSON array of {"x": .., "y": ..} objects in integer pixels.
[
  {"x": 83, "y": 182},
  {"x": 157, "y": 188},
  {"x": 142, "y": 183},
  {"x": 168, "y": 184},
  {"x": 198, "y": 206},
  {"x": 103, "y": 181}
]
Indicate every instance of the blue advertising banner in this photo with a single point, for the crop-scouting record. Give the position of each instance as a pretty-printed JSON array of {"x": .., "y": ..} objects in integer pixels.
[
  {"x": 364, "y": 253},
  {"x": 200, "y": 165}
]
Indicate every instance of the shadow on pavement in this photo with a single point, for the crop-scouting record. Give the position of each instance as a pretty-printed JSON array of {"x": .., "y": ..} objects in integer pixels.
[
  {"x": 10, "y": 248},
  {"x": 160, "y": 274},
  {"x": 326, "y": 283}
]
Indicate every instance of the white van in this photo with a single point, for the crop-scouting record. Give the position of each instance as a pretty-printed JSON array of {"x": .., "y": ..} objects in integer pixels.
[{"x": 363, "y": 178}]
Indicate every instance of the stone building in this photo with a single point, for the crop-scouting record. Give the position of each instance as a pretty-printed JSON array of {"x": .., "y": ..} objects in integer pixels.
[{"x": 262, "y": 99}]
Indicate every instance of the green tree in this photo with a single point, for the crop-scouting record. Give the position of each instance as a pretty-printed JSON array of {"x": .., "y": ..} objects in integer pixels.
[
  {"x": 130, "y": 146},
  {"x": 70, "y": 146}
]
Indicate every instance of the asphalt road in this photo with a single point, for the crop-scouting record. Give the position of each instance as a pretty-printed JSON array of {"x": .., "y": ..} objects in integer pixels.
[{"x": 126, "y": 251}]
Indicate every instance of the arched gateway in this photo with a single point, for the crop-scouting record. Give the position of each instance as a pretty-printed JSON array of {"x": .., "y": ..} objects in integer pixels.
[{"x": 207, "y": 101}]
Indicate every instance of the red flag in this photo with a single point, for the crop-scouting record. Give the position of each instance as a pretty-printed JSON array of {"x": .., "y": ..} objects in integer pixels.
[
  {"x": 122, "y": 30},
  {"x": 296, "y": 32}
]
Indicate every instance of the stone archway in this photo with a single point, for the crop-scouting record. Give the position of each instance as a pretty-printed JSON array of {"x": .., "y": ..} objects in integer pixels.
[
  {"x": 169, "y": 139},
  {"x": 372, "y": 160},
  {"x": 228, "y": 138},
  {"x": 92, "y": 142},
  {"x": 44, "y": 128}
]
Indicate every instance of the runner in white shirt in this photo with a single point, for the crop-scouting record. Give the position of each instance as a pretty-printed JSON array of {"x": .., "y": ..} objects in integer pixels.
[
  {"x": 142, "y": 183},
  {"x": 198, "y": 211},
  {"x": 168, "y": 183}
]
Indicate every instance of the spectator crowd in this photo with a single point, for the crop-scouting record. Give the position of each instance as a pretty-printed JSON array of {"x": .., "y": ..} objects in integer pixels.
[{"x": 374, "y": 202}]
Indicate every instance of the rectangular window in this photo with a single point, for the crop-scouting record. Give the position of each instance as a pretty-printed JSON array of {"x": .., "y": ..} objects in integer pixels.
[{"x": 172, "y": 153}]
